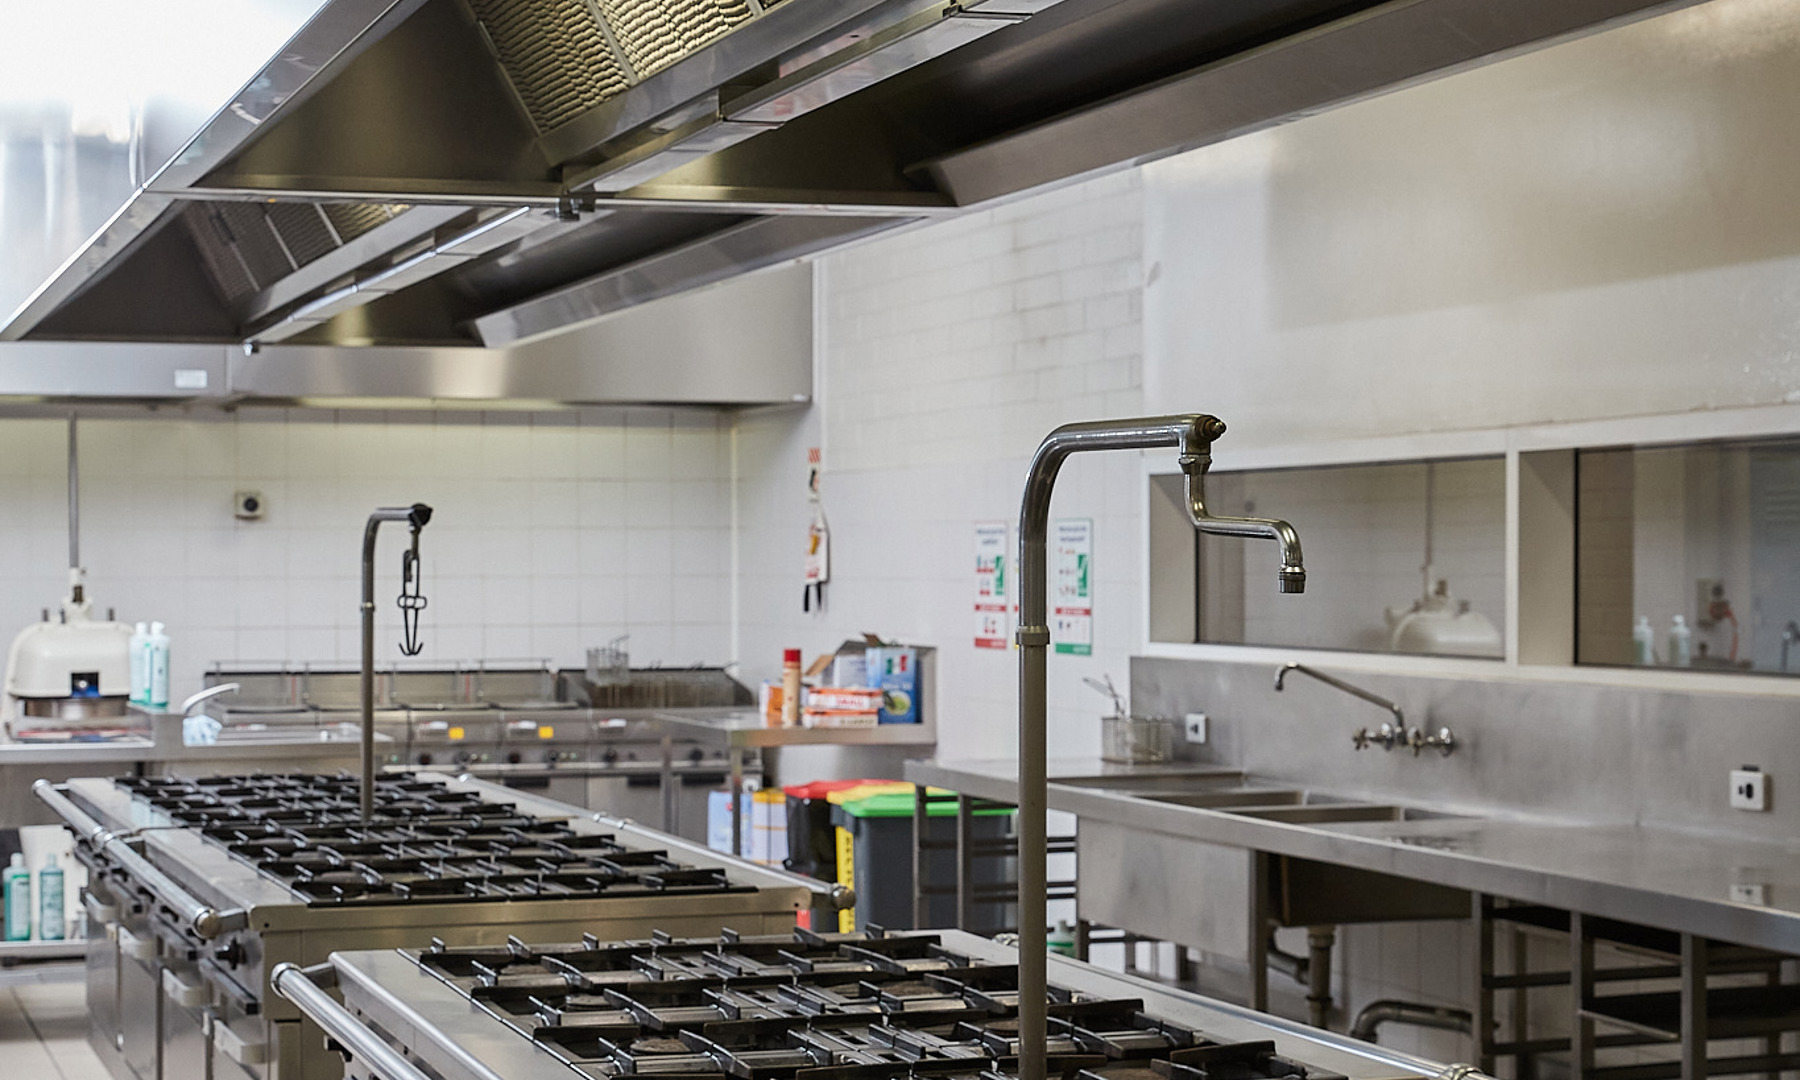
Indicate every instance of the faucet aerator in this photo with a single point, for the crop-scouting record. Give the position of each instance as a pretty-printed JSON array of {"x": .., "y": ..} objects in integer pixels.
[{"x": 1293, "y": 581}]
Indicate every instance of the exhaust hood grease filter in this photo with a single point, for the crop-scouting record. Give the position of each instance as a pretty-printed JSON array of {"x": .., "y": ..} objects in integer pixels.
[
  {"x": 247, "y": 246},
  {"x": 564, "y": 57},
  {"x": 555, "y": 53}
]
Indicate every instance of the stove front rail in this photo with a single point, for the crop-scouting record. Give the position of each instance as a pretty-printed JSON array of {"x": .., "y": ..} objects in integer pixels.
[
  {"x": 206, "y": 921},
  {"x": 306, "y": 989}
]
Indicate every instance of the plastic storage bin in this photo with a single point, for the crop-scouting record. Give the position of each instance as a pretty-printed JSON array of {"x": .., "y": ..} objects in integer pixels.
[{"x": 874, "y": 855}]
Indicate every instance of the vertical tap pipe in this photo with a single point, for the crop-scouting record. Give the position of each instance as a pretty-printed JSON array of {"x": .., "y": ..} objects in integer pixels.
[
  {"x": 1192, "y": 434},
  {"x": 417, "y": 515},
  {"x": 74, "y": 501}
]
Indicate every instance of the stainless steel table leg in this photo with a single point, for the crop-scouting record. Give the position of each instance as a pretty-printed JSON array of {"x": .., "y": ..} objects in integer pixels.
[
  {"x": 1581, "y": 993},
  {"x": 668, "y": 784},
  {"x": 1693, "y": 1007},
  {"x": 1524, "y": 1064},
  {"x": 965, "y": 863},
  {"x": 737, "y": 802},
  {"x": 1258, "y": 994},
  {"x": 1482, "y": 1023},
  {"x": 921, "y": 861}
]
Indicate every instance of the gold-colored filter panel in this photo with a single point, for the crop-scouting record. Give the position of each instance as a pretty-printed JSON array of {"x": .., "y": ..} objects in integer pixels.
[{"x": 555, "y": 53}]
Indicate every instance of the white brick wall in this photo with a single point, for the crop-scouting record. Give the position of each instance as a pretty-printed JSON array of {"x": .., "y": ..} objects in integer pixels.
[
  {"x": 946, "y": 353},
  {"x": 553, "y": 532}
]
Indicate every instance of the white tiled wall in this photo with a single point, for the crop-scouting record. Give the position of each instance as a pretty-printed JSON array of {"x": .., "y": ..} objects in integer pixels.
[
  {"x": 946, "y": 354},
  {"x": 553, "y": 531}
]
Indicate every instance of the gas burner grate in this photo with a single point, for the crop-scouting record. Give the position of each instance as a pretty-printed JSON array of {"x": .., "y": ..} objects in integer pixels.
[
  {"x": 425, "y": 843},
  {"x": 819, "y": 1007}
]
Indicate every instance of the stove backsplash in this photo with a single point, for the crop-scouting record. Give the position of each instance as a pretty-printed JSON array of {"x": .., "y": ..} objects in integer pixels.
[{"x": 1569, "y": 751}]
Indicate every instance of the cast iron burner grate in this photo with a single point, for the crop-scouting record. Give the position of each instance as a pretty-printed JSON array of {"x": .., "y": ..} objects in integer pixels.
[
  {"x": 819, "y": 1007},
  {"x": 425, "y": 843}
]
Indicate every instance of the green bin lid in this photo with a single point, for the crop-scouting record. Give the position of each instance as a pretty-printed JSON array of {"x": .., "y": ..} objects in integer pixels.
[{"x": 900, "y": 804}]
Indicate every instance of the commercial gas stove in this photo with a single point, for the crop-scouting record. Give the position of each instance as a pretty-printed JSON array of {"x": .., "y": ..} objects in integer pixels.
[
  {"x": 199, "y": 888},
  {"x": 792, "y": 1006}
]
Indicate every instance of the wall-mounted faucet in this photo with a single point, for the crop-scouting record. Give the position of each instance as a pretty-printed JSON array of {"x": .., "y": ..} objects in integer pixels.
[
  {"x": 1192, "y": 435},
  {"x": 1387, "y": 736}
]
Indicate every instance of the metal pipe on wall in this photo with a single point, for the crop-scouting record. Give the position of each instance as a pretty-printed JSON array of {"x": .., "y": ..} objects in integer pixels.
[{"x": 1192, "y": 434}]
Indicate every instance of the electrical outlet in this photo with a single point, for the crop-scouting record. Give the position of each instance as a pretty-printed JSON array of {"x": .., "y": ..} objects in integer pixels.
[
  {"x": 1749, "y": 789},
  {"x": 1194, "y": 724},
  {"x": 1750, "y": 893},
  {"x": 1709, "y": 602}
]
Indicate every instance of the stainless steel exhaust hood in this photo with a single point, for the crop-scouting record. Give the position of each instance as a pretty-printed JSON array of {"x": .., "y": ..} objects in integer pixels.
[{"x": 487, "y": 172}]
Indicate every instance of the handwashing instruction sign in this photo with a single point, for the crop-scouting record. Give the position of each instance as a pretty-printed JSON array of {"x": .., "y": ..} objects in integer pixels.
[
  {"x": 1072, "y": 586},
  {"x": 990, "y": 584}
]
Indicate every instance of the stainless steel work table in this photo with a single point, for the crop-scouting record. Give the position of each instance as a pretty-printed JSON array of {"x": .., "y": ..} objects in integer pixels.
[{"x": 1653, "y": 877}]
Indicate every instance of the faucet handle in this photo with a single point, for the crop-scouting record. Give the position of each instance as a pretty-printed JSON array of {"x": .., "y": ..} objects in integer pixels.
[
  {"x": 1444, "y": 742},
  {"x": 1360, "y": 738}
]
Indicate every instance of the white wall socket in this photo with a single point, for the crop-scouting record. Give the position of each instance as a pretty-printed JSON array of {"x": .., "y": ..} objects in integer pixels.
[
  {"x": 1194, "y": 724},
  {"x": 1749, "y": 789},
  {"x": 1750, "y": 893}
]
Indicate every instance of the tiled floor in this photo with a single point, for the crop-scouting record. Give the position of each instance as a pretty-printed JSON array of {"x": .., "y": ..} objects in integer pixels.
[{"x": 43, "y": 1025}]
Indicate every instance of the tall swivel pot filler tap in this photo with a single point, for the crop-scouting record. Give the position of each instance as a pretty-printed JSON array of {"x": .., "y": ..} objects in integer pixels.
[
  {"x": 411, "y": 602},
  {"x": 1192, "y": 436}
]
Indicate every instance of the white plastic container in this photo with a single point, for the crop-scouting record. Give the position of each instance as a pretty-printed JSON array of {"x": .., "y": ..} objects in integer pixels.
[
  {"x": 140, "y": 665},
  {"x": 1643, "y": 642},
  {"x": 159, "y": 667},
  {"x": 1681, "y": 643},
  {"x": 52, "y": 918}
]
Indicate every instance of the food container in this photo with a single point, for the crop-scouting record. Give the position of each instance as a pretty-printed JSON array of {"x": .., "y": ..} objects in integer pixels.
[{"x": 1137, "y": 740}]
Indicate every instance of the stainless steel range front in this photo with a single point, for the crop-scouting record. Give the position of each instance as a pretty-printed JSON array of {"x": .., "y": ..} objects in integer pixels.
[{"x": 200, "y": 888}]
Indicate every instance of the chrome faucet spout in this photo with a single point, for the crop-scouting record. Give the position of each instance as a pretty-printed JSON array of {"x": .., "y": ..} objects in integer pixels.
[
  {"x": 1192, "y": 436},
  {"x": 1339, "y": 684},
  {"x": 1292, "y": 578}
]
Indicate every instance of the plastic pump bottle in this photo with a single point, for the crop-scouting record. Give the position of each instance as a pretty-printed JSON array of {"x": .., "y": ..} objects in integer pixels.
[
  {"x": 1681, "y": 643},
  {"x": 159, "y": 667},
  {"x": 140, "y": 665},
  {"x": 17, "y": 888},
  {"x": 1643, "y": 643},
  {"x": 51, "y": 916}
]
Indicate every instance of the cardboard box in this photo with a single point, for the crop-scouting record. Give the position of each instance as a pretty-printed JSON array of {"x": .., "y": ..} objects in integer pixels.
[{"x": 894, "y": 670}]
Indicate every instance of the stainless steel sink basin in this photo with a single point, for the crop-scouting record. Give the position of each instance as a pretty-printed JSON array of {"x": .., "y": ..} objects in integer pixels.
[
  {"x": 1170, "y": 782},
  {"x": 1330, "y": 813}
]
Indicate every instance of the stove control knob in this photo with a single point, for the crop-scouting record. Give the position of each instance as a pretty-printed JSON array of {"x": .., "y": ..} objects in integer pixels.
[
  {"x": 610, "y": 756},
  {"x": 230, "y": 954},
  {"x": 424, "y": 759},
  {"x": 696, "y": 754},
  {"x": 513, "y": 757}
]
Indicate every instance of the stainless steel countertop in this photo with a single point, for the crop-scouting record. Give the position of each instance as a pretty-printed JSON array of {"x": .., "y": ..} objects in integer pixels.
[
  {"x": 1656, "y": 877},
  {"x": 163, "y": 744}
]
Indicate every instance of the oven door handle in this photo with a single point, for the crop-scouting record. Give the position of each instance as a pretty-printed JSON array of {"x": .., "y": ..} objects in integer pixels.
[
  {"x": 306, "y": 987},
  {"x": 206, "y": 921}
]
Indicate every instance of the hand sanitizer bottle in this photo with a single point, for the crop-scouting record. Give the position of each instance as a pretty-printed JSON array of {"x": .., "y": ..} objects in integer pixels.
[
  {"x": 159, "y": 667},
  {"x": 51, "y": 916},
  {"x": 16, "y": 885},
  {"x": 1643, "y": 643},
  {"x": 1681, "y": 643},
  {"x": 140, "y": 665}
]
